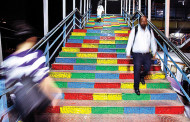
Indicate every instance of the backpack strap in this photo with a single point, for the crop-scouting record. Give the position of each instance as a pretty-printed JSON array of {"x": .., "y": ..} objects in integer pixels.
[{"x": 136, "y": 30}]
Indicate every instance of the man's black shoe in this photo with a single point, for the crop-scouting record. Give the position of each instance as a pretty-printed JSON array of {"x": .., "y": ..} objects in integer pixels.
[
  {"x": 137, "y": 91},
  {"x": 142, "y": 81}
]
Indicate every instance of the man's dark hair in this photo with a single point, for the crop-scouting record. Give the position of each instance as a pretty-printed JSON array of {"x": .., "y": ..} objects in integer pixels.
[{"x": 23, "y": 30}]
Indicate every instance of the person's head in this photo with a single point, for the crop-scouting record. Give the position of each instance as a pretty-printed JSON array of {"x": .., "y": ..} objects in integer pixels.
[
  {"x": 143, "y": 22},
  {"x": 100, "y": 2},
  {"x": 24, "y": 32}
]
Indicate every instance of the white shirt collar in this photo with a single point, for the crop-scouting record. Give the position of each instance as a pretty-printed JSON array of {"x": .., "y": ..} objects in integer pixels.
[{"x": 139, "y": 28}]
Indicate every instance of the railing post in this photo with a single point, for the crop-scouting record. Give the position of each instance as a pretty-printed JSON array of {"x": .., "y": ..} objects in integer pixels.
[
  {"x": 149, "y": 10},
  {"x": 1, "y": 55},
  {"x": 139, "y": 5},
  {"x": 121, "y": 7},
  {"x": 133, "y": 6},
  {"x": 167, "y": 17},
  {"x": 145, "y": 7},
  {"x": 105, "y": 7},
  {"x": 129, "y": 7},
  {"x": 45, "y": 6},
  {"x": 3, "y": 101},
  {"x": 64, "y": 15},
  {"x": 84, "y": 11},
  {"x": 126, "y": 5},
  {"x": 74, "y": 21},
  {"x": 165, "y": 59}
]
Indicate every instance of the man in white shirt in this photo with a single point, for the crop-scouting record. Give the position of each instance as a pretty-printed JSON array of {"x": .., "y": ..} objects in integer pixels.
[
  {"x": 100, "y": 10},
  {"x": 141, "y": 43}
]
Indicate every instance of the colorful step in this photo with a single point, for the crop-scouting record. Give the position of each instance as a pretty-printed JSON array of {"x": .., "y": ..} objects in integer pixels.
[
  {"x": 100, "y": 67},
  {"x": 86, "y": 45},
  {"x": 97, "y": 61},
  {"x": 94, "y": 75},
  {"x": 158, "y": 85},
  {"x": 75, "y": 49},
  {"x": 118, "y": 107},
  {"x": 101, "y": 41},
  {"x": 119, "y": 96}
]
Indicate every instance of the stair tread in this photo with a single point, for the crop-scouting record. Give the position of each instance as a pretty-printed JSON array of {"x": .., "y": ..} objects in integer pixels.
[
  {"x": 112, "y": 118},
  {"x": 100, "y": 64},
  {"x": 95, "y": 52},
  {"x": 109, "y": 80},
  {"x": 115, "y": 91},
  {"x": 102, "y": 58},
  {"x": 120, "y": 103},
  {"x": 91, "y": 71}
]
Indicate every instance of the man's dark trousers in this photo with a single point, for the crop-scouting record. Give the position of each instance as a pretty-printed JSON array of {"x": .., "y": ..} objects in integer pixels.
[{"x": 140, "y": 59}]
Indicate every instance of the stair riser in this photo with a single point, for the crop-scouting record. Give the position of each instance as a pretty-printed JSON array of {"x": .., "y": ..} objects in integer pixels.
[
  {"x": 101, "y": 41},
  {"x": 118, "y": 96},
  {"x": 99, "y": 68},
  {"x": 70, "y": 49},
  {"x": 97, "y": 61},
  {"x": 86, "y": 45},
  {"x": 111, "y": 85},
  {"x": 74, "y": 75},
  {"x": 116, "y": 110}
]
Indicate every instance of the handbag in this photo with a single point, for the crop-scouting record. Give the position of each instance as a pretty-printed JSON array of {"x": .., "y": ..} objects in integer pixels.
[{"x": 29, "y": 98}]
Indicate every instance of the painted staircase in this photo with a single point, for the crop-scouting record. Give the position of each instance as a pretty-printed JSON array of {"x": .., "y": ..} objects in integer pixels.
[{"x": 97, "y": 80}]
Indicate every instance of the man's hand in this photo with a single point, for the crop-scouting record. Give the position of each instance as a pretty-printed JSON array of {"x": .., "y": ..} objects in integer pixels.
[
  {"x": 154, "y": 56},
  {"x": 128, "y": 56}
]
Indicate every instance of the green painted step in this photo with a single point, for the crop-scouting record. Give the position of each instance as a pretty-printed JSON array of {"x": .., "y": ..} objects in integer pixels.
[
  {"x": 107, "y": 110},
  {"x": 92, "y": 34},
  {"x": 77, "y": 37}
]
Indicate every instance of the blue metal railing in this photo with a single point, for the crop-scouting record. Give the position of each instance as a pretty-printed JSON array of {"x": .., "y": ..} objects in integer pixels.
[
  {"x": 65, "y": 26},
  {"x": 166, "y": 43}
]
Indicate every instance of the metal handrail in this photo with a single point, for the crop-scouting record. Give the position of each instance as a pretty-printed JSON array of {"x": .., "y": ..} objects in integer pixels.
[
  {"x": 50, "y": 33},
  {"x": 177, "y": 51}
]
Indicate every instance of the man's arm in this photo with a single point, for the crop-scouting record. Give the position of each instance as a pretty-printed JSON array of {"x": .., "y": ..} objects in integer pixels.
[
  {"x": 153, "y": 44},
  {"x": 130, "y": 42}
]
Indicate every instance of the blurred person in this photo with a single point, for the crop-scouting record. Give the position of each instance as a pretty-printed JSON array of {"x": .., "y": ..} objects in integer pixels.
[
  {"x": 100, "y": 10},
  {"x": 141, "y": 40},
  {"x": 23, "y": 63}
]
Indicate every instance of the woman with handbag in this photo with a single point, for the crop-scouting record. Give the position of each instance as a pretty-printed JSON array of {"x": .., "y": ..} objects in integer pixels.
[{"x": 26, "y": 71}]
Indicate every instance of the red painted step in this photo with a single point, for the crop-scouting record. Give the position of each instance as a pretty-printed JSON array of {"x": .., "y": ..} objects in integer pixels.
[
  {"x": 107, "y": 85},
  {"x": 126, "y": 76},
  {"x": 169, "y": 110},
  {"x": 80, "y": 30},
  {"x": 90, "y": 41},
  {"x": 62, "y": 67},
  {"x": 106, "y": 55},
  {"x": 78, "y": 96},
  {"x": 121, "y": 34},
  {"x": 73, "y": 45},
  {"x": 88, "y": 49},
  {"x": 107, "y": 38},
  {"x": 124, "y": 61}
]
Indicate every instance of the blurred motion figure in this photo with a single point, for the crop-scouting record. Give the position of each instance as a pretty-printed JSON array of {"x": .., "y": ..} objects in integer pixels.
[{"x": 25, "y": 63}]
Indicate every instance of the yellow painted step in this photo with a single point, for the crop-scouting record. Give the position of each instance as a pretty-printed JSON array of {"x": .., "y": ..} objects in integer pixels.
[
  {"x": 66, "y": 49},
  {"x": 78, "y": 34},
  {"x": 102, "y": 96},
  {"x": 121, "y": 38},
  {"x": 75, "y": 110},
  {"x": 131, "y": 86},
  {"x": 106, "y": 61},
  {"x": 120, "y": 31}
]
